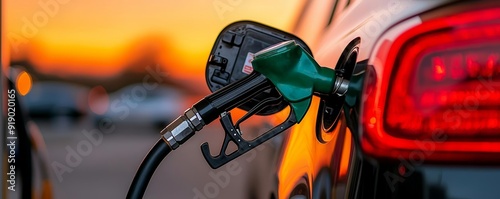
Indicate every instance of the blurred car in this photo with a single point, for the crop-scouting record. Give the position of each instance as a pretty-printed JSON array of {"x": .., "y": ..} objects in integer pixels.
[
  {"x": 421, "y": 118},
  {"x": 51, "y": 99},
  {"x": 136, "y": 105}
]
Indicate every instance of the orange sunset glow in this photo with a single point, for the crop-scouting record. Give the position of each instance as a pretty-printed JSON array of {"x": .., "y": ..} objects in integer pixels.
[{"x": 100, "y": 39}]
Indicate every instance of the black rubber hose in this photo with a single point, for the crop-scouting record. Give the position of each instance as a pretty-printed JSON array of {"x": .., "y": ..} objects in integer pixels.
[{"x": 148, "y": 166}]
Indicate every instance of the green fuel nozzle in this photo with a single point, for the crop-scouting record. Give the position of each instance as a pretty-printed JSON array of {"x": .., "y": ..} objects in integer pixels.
[
  {"x": 286, "y": 67},
  {"x": 296, "y": 75}
]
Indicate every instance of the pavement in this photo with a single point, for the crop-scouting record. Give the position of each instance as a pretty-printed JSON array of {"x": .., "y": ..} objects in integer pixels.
[{"x": 84, "y": 166}]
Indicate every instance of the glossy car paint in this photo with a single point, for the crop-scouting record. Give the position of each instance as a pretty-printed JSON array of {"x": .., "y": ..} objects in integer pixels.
[{"x": 303, "y": 158}]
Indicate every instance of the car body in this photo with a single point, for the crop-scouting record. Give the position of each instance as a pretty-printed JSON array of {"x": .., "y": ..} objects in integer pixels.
[
  {"x": 53, "y": 99},
  {"x": 347, "y": 159}
]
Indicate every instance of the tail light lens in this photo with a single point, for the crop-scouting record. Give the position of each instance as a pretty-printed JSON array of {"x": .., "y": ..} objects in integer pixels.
[{"x": 436, "y": 88}]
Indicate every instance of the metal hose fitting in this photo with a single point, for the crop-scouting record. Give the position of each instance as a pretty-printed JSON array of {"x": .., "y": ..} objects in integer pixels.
[{"x": 182, "y": 128}]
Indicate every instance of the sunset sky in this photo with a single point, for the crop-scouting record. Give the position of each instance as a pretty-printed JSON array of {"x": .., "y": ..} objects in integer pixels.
[{"x": 98, "y": 38}]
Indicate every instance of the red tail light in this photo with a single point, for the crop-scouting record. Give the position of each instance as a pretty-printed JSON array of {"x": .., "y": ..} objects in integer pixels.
[{"x": 436, "y": 88}]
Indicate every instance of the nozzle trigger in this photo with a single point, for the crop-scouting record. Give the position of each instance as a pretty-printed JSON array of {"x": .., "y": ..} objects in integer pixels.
[{"x": 243, "y": 145}]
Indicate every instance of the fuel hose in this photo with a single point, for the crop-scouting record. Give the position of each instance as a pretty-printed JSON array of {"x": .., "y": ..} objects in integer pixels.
[
  {"x": 181, "y": 129},
  {"x": 285, "y": 66},
  {"x": 148, "y": 166}
]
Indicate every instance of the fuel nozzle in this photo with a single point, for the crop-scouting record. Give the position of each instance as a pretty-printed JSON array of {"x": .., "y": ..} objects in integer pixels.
[
  {"x": 297, "y": 76},
  {"x": 286, "y": 67},
  {"x": 213, "y": 106}
]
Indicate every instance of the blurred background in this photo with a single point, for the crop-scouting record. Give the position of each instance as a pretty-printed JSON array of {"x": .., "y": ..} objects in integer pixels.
[{"x": 99, "y": 79}]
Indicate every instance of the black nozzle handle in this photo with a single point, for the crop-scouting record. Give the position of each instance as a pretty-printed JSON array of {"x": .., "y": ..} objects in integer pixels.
[
  {"x": 231, "y": 96},
  {"x": 232, "y": 135}
]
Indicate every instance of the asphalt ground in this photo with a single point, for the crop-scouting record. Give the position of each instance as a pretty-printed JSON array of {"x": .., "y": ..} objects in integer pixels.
[{"x": 84, "y": 166}]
